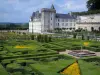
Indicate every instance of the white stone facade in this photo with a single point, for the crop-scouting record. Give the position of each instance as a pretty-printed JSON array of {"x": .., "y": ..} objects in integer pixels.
[
  {"x": 68, "y": 24},
  {"x": 88, "y": 22},
  {"x": 48, "y": 20}
]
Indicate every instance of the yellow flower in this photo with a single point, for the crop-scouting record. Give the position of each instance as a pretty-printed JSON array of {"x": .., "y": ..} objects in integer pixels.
[
  {"x": 21, "y": 47},
  {"x": 86, "y": 43},
  {"x": 73, "y": 69}
]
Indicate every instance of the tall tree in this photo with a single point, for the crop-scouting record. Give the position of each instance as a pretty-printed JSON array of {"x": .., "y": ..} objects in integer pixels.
[{"x": 93, "y": 4}]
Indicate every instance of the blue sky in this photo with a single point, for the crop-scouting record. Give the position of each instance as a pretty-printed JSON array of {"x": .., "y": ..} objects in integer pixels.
[{"x": 21, "y": 10}]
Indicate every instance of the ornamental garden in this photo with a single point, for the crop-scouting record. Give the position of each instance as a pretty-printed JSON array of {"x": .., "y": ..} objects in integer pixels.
[{"x": 39, "y": 54}]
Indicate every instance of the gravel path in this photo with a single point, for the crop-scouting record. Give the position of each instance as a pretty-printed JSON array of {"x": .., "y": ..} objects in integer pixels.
[{"x": 67, "y": 51}]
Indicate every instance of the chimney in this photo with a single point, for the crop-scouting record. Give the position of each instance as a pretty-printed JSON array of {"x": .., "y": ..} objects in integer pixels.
[{"x": 70, "y": 13}]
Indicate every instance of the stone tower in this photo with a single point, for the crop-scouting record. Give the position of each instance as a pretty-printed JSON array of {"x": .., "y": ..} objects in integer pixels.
[{"x": 48, "y": 19}]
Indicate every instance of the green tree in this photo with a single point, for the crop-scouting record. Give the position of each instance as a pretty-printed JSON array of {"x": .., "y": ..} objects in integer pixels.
[
  {"x": 74, "y": 35},
  {"x": 49, "y": 39},
  {"x": 45, "y": 38},
  {"x": 93, "y": 4},
  {"x": 32, "y": 37},
  {"x": 38, "y": 38},
  {"x": 88, "y": 38},
  {"x": 82, "y": 37}
]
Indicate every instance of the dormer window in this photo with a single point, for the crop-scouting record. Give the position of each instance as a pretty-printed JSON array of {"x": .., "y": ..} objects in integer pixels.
[{"x": 51, "y": 18}]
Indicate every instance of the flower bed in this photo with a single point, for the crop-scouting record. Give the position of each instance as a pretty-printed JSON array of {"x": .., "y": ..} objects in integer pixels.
[{"x": 21, "y": 46}]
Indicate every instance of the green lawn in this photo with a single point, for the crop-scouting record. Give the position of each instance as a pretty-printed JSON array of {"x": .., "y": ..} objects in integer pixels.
[
  {"x": 44, "y": 57},
  {"x": 12, "y": 45},
  {"x": 51, "y": 68},
  {"x": 72, "y": 44},
  {"x": 3, "y": 71}
]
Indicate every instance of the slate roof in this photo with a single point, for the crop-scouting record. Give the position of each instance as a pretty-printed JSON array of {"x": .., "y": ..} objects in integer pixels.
[
  {"x": 65, "y": 16},
  {"x": 47, "y": 10},
  {"x": 35, "y": 15}
]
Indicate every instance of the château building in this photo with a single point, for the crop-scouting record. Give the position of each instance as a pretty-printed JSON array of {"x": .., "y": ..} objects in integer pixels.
[
  {"x": 49, "y": 20},
  {"x": 88, "y": 22}
]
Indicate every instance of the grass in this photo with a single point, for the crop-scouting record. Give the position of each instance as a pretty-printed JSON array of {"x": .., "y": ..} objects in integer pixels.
[
  {"x": 51, "y": 68},
  {"x": 13, "y": 65},
  {"x": 89, "y": 68},
  {"x": 3, "y": 71},
  {"x": 74, "y": 44},
  {"x": 32, "y": 45},
  {"x": 41, "y": 56}
]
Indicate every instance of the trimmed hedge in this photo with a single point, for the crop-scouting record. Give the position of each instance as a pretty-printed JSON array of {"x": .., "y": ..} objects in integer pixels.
[
  {"x": 64, "y": 57},
  {"x": 29, "y": 55},
  {"x": 55, "y": 47},
  {"x": 76, "y": 48},
  {"x": 13, "y": 67},
  {"x": 37, "y": 72},
  {"x": 93, "y": 49}
]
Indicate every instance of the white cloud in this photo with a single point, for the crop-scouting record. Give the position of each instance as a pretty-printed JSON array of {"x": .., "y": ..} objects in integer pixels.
[
  {"x": 72, "y": 5},
  {"x": 21, "y": 10}
]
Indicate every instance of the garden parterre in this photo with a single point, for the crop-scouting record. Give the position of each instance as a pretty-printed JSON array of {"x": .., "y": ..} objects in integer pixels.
[{"x": 43, "y": 58}]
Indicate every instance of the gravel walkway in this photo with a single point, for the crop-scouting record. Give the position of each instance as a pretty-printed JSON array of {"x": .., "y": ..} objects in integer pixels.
[{"x": 67, "y": 51}]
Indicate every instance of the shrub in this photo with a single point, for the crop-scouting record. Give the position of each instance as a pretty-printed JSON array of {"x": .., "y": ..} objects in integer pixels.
[
  {"x": 59, "y": 49},
  {"x": 64, "y": 57},
  {"x": 37, "y": 72},
  {"x": 76, "y": 48},
  {"x": 93, "y": 49},
  {"x": 25, "y": 52},
  {"x": 82, "y": 37},
  {"x": 55, "y": 47},
  {"x": 32, "y": 37},
  {"x": 74, "y": 35},
  {"x": 17, "y": 73},
  {"x": 5, "y": 62},
  {"x": 3, "y": 52},
  {"x": 25, "y": 62},
  {"x": 49, "y": 59},
  {"x": 96, "y": 46},
  {"x": 88, "y": 38},
  {"x": 13, "y": 66},
  {"x": 43, "y": 38}
]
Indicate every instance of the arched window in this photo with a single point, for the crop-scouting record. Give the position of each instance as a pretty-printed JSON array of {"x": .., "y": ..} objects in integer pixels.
[
  {"x": 99, "y": 28},
  {"x": 92, "y": 29}
]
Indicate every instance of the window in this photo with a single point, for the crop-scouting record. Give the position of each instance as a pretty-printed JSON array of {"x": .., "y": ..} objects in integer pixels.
[
  {"x": 51, "y": 18},
  {"x": 99, "y": 28},
  {"x": 66, "y": 20},
  {"x": 58, "y": 24},
  {"x": 92, "y": 28},
  {"x": 58, "y": 20},
  {"x": 62, "y": 24},
  {"x": 71, "y": 20},
  {"x": 70, "y": 24},
  {"x": 62, "y": 20},
  {"x": 66, "y": 24}
]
